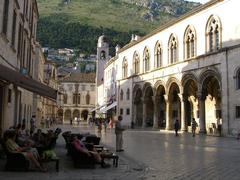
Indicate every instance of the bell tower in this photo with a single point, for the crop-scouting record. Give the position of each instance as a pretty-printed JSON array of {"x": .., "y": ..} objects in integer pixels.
[{"x": 102, "y": 58}]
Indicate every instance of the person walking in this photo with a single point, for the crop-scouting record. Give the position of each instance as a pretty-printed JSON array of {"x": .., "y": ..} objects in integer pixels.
[
  {"x": 118, "y": 131},
  {"x": 176, "y": 127},
  {"x": 194, "y": 126}
]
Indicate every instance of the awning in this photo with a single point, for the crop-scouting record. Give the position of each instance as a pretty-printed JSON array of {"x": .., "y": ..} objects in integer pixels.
[
  {"x": 104, "y": 110},
  {"x": 27, "y": 83},
  {"x": 97, "y": 108}
]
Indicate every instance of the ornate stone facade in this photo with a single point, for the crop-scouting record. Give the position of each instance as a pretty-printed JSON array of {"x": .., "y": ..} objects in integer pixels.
[
  {"x": 188, "y": 68},
  {"x": 78, "y": 96}
]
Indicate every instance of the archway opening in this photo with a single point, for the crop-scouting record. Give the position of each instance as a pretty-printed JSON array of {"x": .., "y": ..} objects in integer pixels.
[
  {"x": 190, "y": 102},
  {"x": 161, "y": 107},
  {"x": 149, "y": 105},
  {"x": 138, "y": 108},
  {"x": 212, "y": 95},
  {"x": 67, "y": 116},
  {"x": 175, "y": 105},
  {"x": 84, "y": 115}
]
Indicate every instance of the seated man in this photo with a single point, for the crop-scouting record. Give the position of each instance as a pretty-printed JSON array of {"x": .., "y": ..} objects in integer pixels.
[{"x": 80, "y": 147}]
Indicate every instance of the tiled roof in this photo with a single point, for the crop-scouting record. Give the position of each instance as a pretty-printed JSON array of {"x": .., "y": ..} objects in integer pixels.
[{"x": 80, "y": 77}]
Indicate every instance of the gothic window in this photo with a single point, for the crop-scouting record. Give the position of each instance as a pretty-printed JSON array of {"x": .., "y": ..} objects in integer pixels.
[
  {"x": 128, "y": 94},
  {"x": 158, "y": 55},
  {"x": 136, "y": 63},
  {"x": 79, "y": 99},
  {"x": 5, "y": 17},
  {"x": 238, "y": 79},
  {"x": 87, "y": 99},
  {"x": 125, "y": 68},
  {"x": 146, "y": 60},
  {"x": 213, "y": 34},
  {"x": 190, "y": 40},
  {"x": 121, "y": 95},
  {"x": 173, "y": 48},
  {"x": 74, "y": 98},
  {"x": 65, "y": 97}
]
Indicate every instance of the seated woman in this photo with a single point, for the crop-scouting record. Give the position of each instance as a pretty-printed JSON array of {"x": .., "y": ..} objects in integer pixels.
[
  {"x": 80, "y": 147},
  {"x": 30, "y": 154}
]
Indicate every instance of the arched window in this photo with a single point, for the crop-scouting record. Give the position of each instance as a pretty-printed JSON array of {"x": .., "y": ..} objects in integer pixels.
[
  {"x": 128, "y": 94},
  {"x": 213, "y": 34},
  {"x": 87, "y": 98},
  {"x": 103, "y": 55},
  {"x": 158, "y": 55},
  {"x": 65, "y": 97},
  {"x": 238, "y": 79},
  {"x": 172, "y": 46},
  {"x": 125, "y": 68},
  {"x": 136, "y": 63},
  {"x": 121, "y": 95},
  {"x": 146, "y": 60},
  {"x": 190, "y": 41}
]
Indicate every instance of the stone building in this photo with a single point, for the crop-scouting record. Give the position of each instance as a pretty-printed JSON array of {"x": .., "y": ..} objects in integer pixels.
[
  {"x": 18, "y": 23},
  {"x": 46, "y": 73},
  {"x": 187, "y": 68},
  {"x": 77, "y": 96}
]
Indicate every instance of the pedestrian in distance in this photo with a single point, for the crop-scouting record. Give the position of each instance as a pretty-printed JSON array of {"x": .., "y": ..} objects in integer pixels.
[
  {"x": 194, "y": 126},
  {"x": 119, "y": 131},
  {"x": 176, "y": 127}
]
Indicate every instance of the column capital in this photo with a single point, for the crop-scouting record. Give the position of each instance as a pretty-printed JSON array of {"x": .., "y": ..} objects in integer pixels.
[
  {"x": 166, "y": 97},
  {"x": 182, "y": 97},
  {"x": 201, "y": 96}
]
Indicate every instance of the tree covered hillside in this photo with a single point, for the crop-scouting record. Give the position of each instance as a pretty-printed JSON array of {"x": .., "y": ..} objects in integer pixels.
[{"x": 79, "y": 23}]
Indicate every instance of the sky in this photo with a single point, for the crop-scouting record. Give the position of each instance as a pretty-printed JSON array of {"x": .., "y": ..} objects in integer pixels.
[{"x": 201, "y": 1}]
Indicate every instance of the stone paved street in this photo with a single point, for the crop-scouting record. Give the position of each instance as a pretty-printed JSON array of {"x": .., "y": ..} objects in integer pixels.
[{"x": 151, "y": 155}]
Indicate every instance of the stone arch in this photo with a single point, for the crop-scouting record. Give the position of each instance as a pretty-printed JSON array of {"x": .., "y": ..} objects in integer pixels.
[
  {"x": 148, "y": 105},
  {"x": 76, "y": 113},
  {"x": 170, "y": 81},
  {"x": 210, "y": 100},
  {"x": 190, "y": 95},
  {"x": 157, "y": 84},
  {"x": 137, "y": 105},
  {"x": 67, "y": 115},
  {"x": 213, "y": 72},
  {"x": 84, "y": 114},
  {"x": 145, "y": 86},
  {"x": 174, "y": 104},
  {"x": 160, "y": 105}
]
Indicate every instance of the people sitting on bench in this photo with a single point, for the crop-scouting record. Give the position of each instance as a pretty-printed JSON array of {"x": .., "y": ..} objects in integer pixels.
[
  {"x": 29, "y": 153},
  {"x": 90, "y": 151}
]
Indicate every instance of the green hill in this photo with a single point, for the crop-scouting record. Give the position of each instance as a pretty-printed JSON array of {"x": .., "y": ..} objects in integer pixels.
[{"x": 78, "y": 23}]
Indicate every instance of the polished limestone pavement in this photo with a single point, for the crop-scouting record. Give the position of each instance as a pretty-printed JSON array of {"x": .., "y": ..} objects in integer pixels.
[{"x": 150, "y": 155}]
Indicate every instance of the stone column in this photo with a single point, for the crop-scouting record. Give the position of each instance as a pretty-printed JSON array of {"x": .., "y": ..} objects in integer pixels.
[
  {"x": 155, "y": 119},
  {"x": 183, "y": 116},
  {"x": 144, "y": 113},
  {"x": 167, "y": 112},
  {"x": 201, "y": 104}
]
